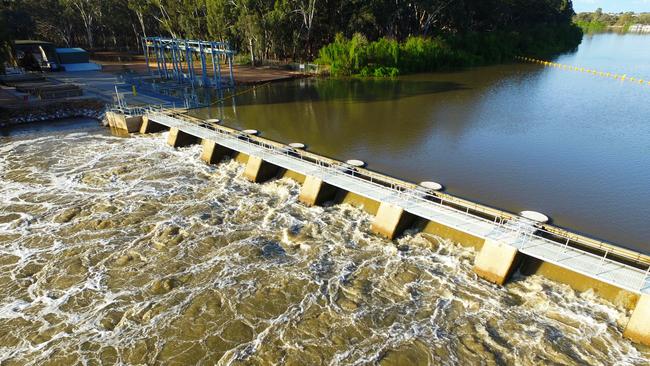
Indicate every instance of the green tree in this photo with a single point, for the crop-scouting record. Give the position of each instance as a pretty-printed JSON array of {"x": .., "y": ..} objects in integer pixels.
[{"x": 90, "y": 12}]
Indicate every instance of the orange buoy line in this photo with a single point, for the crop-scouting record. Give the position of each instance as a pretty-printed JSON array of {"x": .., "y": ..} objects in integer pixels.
[{"x": 623, "y": 77}]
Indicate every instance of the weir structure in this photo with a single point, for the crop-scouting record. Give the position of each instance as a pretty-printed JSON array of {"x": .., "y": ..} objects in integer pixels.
[
  {"x": 505, "y": 242},
  {"x": 171, "y": 53}
]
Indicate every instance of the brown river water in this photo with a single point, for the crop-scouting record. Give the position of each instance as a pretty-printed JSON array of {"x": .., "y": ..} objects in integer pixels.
[{"x": 126, "y": 251}]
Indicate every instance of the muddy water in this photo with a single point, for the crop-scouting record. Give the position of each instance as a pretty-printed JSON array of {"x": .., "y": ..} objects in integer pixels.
[{"x": 125, "y": 251}]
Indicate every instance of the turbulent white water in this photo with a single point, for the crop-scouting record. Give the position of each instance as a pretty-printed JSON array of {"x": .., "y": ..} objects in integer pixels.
[{"x": 126, "y": 251}]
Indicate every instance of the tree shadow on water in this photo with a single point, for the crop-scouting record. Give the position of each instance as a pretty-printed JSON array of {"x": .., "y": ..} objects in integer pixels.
[{"x": 342, "y": 90}]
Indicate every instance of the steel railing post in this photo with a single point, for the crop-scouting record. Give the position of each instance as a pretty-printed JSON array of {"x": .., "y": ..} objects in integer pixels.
[{"x": 645, "y": 278}]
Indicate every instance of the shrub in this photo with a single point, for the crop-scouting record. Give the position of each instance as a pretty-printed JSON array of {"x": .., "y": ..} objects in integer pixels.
[{"x": 389, "y": 58}]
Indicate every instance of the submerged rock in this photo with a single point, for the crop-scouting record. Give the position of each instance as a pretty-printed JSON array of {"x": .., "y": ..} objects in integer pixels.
[
  {"x": 67, "y": 215},
  {"x": 123, "y": 260},
  {"x": 161, "y": 287},
  {"x": 111, "y": 320},
  {"x": 272, "y": 249},
  {"x": 170, "y": 236}
]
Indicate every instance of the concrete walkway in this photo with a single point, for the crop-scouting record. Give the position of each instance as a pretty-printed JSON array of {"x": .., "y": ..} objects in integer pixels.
[{"x": 101, "y": 85}]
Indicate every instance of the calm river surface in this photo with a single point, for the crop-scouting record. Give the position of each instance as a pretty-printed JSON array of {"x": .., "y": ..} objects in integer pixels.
[{"x": 572, "y": 145}]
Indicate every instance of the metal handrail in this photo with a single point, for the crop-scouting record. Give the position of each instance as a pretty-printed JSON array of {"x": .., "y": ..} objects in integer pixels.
[{"x": 502, "y": 226}]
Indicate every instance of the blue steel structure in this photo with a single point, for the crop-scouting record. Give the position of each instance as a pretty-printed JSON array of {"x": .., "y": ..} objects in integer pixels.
[{"x": 178, "y": 51}]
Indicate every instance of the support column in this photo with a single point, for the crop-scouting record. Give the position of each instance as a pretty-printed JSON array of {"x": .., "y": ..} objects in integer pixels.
[
  {"x": 495, "y": 261},
  {"x": 149, "y": 126},
  {"x": 391, "y": 220},
  {"x": 232, "y": 76},
  {"x": 123, "y": 122},
  {"x": 190, "y": 61},
  {"x": 214, "y": 65},
  {"x": 258, "y": 170},
  {"x": 158, "y": 60},
  {"x": 178, "y": 138},
  {"x": 145, "y": 48},
  {"x": 164, "y": 59},
  {"x": 172, "y": 60},
  {"x": 218, "y": 72},
  {"x": 213, "y": 153},
  {"x": 314, "y": 191},
  {"x": 204, "y": 66},
  {"x": 638, "y": 328},
  {"x": 176, "y": 60},
  {"x": 155, "y": 53}
]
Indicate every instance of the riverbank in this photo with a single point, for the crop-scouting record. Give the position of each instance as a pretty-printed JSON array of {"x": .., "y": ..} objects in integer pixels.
[
  {"x": 38, "y": 111},
  {"x": 120, "y": 62}
]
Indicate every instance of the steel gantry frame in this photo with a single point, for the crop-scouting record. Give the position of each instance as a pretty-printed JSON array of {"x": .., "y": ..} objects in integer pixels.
[{"x": 175, "y": 51}]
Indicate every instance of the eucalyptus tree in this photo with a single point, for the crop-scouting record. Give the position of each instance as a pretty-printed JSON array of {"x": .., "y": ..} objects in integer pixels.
[
  {"x": 90, "y": 12},
  {"x": 142, "y": 10}
]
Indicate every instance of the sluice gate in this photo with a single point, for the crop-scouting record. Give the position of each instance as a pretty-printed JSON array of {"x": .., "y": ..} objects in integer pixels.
[
  {"x": 505, "y": 242},
  {"x": 171, "y": 53}
]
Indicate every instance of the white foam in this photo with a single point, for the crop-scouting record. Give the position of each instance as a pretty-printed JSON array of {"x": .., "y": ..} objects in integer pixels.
[{"x": 428, "y": 291}]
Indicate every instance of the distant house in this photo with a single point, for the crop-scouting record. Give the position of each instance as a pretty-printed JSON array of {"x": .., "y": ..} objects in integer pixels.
[
  {"x": 640, "y": 28},
  {"x": 44, "y": 56},
  {"x": 72, "y": 55},
  {"x": 75, "y": 59}
]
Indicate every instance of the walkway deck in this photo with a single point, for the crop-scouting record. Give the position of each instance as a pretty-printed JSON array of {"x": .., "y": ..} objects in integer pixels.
[{"x": 520, "y": 233}]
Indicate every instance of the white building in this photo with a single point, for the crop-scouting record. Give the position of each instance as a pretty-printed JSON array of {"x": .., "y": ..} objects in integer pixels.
[{"x": 640, "y": 28}]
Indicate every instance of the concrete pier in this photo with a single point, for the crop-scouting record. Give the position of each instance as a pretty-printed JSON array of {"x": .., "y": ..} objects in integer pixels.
[
  {"x": 391, "y": 220},
  {"x": 638, "y": 328},
  {"x": 258, "y": 170},
  {"x": 503, "y": 240},
  {"x": 149, "y": 126},
  {"x": 178, "y": 138},
  {"x": 213, "y": 153},
  {"x": 314, "y": 191},
  {"x": 495, "y": 261},
  {"x": 122, "y": 122}
]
